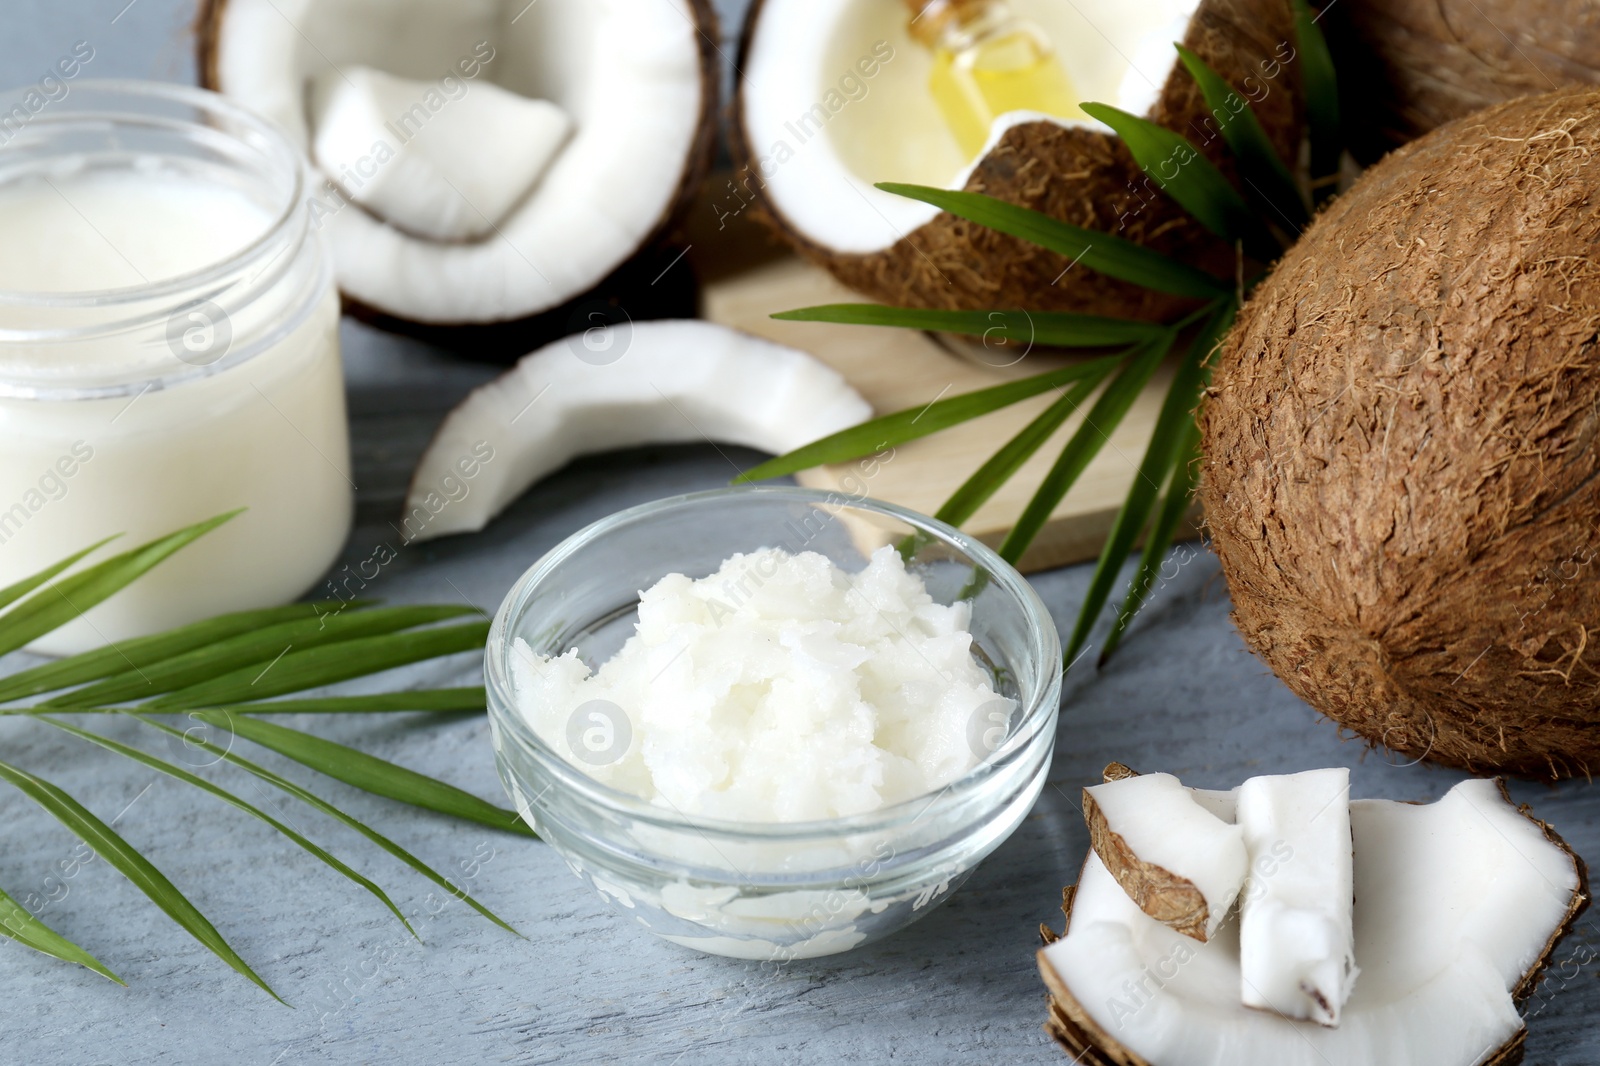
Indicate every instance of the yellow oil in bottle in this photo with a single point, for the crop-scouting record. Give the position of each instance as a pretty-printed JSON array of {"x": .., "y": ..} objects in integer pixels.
[{"x": 992, "y": 64}]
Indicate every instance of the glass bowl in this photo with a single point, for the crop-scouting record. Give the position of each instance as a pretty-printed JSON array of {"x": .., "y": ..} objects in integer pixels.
[{"x": 765, "y": 890}]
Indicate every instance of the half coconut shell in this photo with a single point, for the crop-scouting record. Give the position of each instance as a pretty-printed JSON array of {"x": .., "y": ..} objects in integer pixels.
[
  {"x": 498, "y": 297},
  {"x": 1415, "y": 65},
  {"x": 1075, "y": 170}
]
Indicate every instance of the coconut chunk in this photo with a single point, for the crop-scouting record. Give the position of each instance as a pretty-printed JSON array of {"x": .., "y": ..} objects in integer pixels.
[
  {"x": 1458, "y": 905},
  {"x": 659, "y": 382},
  {"x": 447, "y": 159},
  {"x": 1296, "y": 937},
  {"x": 1181, "y": 863}
]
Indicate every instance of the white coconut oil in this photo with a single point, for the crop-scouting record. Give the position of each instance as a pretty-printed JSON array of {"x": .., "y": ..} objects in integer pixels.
[
  {"x": 168, "y": 352},
  {"x": 779, "y": 689}
]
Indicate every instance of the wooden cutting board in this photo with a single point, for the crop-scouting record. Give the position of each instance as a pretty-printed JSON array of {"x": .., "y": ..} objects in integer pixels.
[{"x": 897, "y": 369}]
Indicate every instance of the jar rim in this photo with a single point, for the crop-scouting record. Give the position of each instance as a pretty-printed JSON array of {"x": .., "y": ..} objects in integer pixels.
[
  {"x": 282, "y": 236},
  {"x": 1038, "y": 713}
]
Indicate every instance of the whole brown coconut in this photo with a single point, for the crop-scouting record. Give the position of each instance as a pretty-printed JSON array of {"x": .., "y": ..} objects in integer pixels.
[
  {"x": 1402, "y": 476},
  {"x": 1410, "y": 66},
  {"x": 1079, "y": 175}
]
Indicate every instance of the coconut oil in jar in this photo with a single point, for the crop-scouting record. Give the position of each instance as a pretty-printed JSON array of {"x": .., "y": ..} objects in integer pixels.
[{"x": 168, "y": 352}]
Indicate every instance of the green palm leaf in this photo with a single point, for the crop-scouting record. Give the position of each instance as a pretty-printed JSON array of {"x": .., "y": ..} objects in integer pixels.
[
  {"x": 296, "y": 671},
  {"x": 1022, "y": 328},
  {"x": 1160, "y": 457},
  {"x": 367, "y": 772},
  {"x": 126, "y": 860},
  {"x": 1112, "y": 256},
  {"x": 1174, "y": 506},
  {"x": 987, "y": 479},
  {"x": 891, "y": 430},
  {"x": 320, "y": 804},
  {"x": 143, "y": 651},
  {"x": 1321, "y": 86},
  {"x": 13, "y": 592},
  {"x": 438, "y": 699},
  {"x": 24, "y": 928},
  {"x": 1259, "y": 163},
  {"x": 1084, "y": 445},
  {"x": 1189, "y": 178},
  {"x": 60, "y": 602},
  {"x": 253, "y": 648},
  {"x": 161, "y": 765}
]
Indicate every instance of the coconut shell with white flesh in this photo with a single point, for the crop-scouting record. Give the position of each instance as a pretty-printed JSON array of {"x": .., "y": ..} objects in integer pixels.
[
  {"x": 660, "y": 382},
  {"x": 1181, "y": 863},
  {"x": 1401, "y": 476},
  {"x": 1459, "y": 906},
  {"x": 637, "y": 82},
  {"x": 1418, "y": 64},
  {"x": 834, "y": 97}
]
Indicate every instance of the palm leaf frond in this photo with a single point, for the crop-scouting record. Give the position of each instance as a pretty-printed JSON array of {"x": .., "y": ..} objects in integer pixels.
[
  {"x": 1106, "y": 253},
  {"x": 913, "y": 423},
  {"x": 1262, "y": 169},
  {"x": 20, "y": 925},
  {"x": 1189, "y": 178},
  {"x": 123, "y": 857},
  {"x": 144, "y": 758},
  {"x": 366, "y": 772},
  {"x": 1321, "y": 87},
  {"x": 253, "y": 648},
  {"x": 1055, "y": 329},
  {"x": 317, "y": 803},
  {"x": 1161, "y": 456},
  {"x": 296, "y": 671},
  {"x": 60, "y": 602},
  {"x": 128, "y": 655}
]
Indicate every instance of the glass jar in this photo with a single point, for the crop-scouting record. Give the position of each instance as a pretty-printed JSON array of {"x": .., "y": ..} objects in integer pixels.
[
  {"x": 168, "y": 352},
  {"x": 766, "y": 890}
]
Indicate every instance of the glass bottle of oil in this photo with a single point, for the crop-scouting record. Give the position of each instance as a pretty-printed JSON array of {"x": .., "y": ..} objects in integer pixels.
[{"x": 987, "y": 60}]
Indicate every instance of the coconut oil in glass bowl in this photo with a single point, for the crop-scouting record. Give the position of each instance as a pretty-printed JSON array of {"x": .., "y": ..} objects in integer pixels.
[
  {"x": 168, "y": 352},
  {"x": 763, "y": 889}
]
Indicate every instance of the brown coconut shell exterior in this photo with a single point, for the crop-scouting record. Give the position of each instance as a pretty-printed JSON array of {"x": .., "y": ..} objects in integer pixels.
[
  {"x": 1410, "y": 66},
  {"x": 631, "y": 289},
  {"x": 1402, "y": 442},
  {"x": 1089, "y": 1044},
  {"x": 1171, "y": 900},
  {"x": 1079, "y": 176}
]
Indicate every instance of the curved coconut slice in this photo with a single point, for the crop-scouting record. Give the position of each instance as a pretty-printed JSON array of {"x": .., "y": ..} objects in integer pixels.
[
  {"x": 1180, "y": 863},
  {"x": 638, "y": 81},
  {"x": 834, "y": 97},
  {"x": 620, "y": 387},
  {"x": 1458, "y": 907},
  {"x": 1296, "y": 937}
]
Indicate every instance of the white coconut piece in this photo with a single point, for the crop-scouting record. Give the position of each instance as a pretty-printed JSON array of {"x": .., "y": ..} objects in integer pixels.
[
  {"x": 446, "y": 160},
  {"x": 1180, "y": 862},
  {"x": 1296, "y": 938},
  {"x": 636, "y": 79},
  {"x": 616, "y": 387},
  {"x": 1457, "y": 905}
]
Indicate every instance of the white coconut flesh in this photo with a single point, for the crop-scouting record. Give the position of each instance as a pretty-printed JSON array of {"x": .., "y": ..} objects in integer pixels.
[
  {"x": 824, "y": 129},
  {"x": 1166, "y": 825},
  {"x": 626, "y": 74},
  {"x": 617, "y": 387},
  {"x": 462, "y": 156},
  {"x": 1455, "y": 902},
  {"x": 1296, "y": 938}
]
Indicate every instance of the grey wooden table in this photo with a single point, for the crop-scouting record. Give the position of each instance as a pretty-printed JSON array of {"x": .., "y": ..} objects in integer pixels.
[{"x": 585, "y": 985}]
